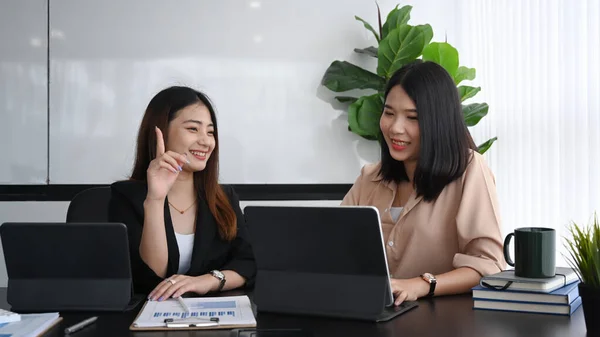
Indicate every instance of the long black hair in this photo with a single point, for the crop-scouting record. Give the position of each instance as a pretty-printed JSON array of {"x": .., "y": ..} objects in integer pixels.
[{"x": 446, "y": 143}]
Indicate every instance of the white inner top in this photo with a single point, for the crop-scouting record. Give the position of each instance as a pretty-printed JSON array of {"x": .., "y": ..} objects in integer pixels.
[
  {"x": 185, "y": 242},
  {"x": 395, "y": 212}
]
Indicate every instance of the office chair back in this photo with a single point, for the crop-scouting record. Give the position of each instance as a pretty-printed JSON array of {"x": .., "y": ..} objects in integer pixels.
[{"x": 90, "y": 205}]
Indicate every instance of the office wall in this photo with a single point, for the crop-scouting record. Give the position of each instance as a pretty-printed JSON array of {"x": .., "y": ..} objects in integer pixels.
[
  {"x": 23, "y": 91},
  {"x": 261, "y": 62}
]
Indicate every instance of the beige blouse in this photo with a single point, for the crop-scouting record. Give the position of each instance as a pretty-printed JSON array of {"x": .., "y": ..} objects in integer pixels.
[{"x": 461, "y": 228}]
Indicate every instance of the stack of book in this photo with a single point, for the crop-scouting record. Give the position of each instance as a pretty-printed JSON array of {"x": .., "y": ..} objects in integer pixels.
[{"x": 506, "y": 292}]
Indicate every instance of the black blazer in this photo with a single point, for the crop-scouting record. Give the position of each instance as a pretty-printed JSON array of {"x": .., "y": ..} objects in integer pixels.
[{"x": 210, "y": 252}]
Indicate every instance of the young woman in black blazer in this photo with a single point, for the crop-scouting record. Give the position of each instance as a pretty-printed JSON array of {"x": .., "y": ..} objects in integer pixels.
[{"x": 186, "y": 232}]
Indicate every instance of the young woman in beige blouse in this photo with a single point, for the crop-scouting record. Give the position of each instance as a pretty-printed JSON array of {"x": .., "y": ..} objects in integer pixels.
[{"x": 435, "y": 194}]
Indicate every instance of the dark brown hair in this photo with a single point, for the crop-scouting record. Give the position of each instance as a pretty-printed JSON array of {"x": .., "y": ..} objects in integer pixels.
[
  {"x": 161, "y": 110},
  {"x": 445, "y": 140}
]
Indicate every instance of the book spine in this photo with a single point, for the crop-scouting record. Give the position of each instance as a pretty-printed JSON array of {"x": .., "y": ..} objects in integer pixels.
[
  {"x": 528, "y": 312},
  {"x": 573, "y": 295}
]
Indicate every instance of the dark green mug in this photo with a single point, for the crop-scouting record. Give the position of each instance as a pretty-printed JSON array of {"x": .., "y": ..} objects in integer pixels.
[{"x": 535, "y": 252}]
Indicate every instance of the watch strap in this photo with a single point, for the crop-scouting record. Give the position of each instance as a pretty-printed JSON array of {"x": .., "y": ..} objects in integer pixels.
[{"x": 432, "y": 283}]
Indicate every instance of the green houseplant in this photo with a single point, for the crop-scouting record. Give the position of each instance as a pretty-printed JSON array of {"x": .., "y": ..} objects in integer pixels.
[
  {"x": 398, "y": 44},
  {"x": 584, "y": 251}
]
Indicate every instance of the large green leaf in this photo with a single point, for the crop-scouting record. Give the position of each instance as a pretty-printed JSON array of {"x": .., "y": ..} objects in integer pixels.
[
  {"x": 427, "y": 33},
  {"x": 368, "y": 26},
  {"x": 371, "y": 51},
  {"x": 343, "y": 76},
  {"x": 364, "y": 114},
  {"x": 401, "y": 46},
  {"x": 346, "y": 99},
  {"x": 486, "y": 145},
  {"x": 443, "y": 54},
  {"x": 464, "y": 73},
  {"x": 474, "y": 112},
  {"x": 466, "y": 92},
  {"x": 396, "y": 18}
]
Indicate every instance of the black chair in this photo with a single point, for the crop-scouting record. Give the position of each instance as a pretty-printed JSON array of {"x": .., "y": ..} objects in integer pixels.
[{"x": 90, "y": 205}]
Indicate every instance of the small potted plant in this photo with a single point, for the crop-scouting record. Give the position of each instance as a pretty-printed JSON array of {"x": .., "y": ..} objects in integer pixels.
[{"x": 584, "y": 250}]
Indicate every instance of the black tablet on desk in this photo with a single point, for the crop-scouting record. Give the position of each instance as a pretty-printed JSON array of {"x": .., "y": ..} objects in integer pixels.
[
  {"x": 326, "y": 261},
  {"x": 67, "y": 266}
]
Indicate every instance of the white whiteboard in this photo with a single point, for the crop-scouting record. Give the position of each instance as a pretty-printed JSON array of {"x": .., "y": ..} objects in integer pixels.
[
  {"x": 261, "y": 62},
  {"x": 23, "y": 92}
]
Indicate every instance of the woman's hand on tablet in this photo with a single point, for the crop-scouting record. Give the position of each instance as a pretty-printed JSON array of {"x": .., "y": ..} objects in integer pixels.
[{"x": 408, "y": 289}]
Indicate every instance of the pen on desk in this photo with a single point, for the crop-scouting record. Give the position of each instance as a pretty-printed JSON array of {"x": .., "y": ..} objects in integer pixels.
[
  {"x": 80, "y": 325},
  {"x": 183, "y": 304}
]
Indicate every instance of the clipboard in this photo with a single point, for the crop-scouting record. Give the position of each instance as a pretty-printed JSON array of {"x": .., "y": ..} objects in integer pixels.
[{"x": 188, "y": 323}]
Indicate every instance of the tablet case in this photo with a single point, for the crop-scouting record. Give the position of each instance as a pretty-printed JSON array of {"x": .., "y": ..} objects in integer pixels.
[{"x": 67, "y": 266}]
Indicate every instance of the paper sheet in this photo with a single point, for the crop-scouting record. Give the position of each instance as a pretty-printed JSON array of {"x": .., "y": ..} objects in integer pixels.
[{"x": 232, "y": 310}]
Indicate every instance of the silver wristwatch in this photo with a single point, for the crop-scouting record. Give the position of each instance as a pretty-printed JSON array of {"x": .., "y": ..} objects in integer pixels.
[{"x": 220, "y": 276}]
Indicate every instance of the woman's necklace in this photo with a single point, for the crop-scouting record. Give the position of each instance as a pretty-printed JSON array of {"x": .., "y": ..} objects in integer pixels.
[{"x": 180, "y": 211}]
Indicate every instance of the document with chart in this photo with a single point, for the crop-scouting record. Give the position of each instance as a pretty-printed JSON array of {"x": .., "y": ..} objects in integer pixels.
[{"x": 223, "y": 312}]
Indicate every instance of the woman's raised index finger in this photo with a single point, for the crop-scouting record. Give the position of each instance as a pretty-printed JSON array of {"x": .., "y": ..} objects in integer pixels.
[{"x": 160, "y": 142}]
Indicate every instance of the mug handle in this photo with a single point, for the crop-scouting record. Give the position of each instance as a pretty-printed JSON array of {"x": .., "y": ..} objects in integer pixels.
[{"x": 506, "y": 253}]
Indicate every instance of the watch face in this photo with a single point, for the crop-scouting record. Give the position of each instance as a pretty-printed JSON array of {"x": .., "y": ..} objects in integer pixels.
[
  {"x": 218, "y": 274},
  {"x": 428, "y": 277}
]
